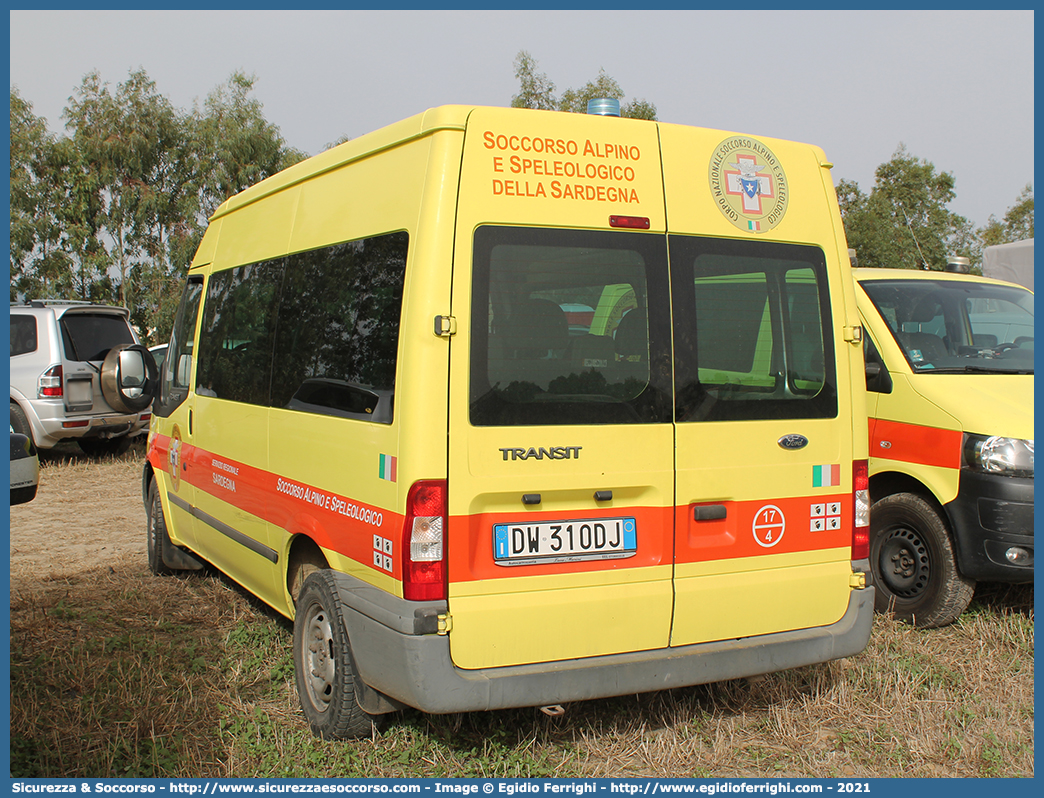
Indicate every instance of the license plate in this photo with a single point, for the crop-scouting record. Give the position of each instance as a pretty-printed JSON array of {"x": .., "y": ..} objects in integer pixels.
[
  {"x": 81, "y": 392},
  {"x": 526, "y": 543}
]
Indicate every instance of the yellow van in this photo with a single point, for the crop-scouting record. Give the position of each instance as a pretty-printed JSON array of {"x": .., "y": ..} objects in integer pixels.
[
  {"x": 950, "y": 403},
  {"x": 515, "y": 408}
]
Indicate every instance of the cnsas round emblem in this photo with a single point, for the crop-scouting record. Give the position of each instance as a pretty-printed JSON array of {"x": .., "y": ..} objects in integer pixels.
[
  {"x": 174, "y": 458},
  {"x": 748, "y": 183}
]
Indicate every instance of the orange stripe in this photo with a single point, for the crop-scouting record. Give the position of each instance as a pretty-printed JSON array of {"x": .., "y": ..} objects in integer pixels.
[
  {"x": 338, "y": 523},
  {"x": 913, "y": 443},
  {"x": 806, "y": 523},
  {"x": 332, "y": 521}
]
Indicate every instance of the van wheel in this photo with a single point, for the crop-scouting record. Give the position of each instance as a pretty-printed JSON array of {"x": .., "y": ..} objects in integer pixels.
[
  {"x": 323, "y": 665},
  {"x": 21, "y": 423},
  {"x": 913, "y": 563},
  {"x": 156, "y": 537}
]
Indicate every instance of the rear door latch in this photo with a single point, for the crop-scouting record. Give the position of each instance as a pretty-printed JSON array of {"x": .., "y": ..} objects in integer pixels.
[{"x": 445, "y": 326}]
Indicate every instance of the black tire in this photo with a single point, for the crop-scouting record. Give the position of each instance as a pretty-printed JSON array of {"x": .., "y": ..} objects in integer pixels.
[
  {"x": 21, "y": 423},
  {"x": 104, "y": 447},
  {"x": 323, "y": 664},
  {"x": 913, "y": 564},
  {"x": 156, "y": 537}
]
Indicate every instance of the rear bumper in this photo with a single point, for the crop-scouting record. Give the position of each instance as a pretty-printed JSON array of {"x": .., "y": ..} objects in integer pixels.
[
  {"x": 990, "y": 515},
  {"x": 48, "y": 419},
  {"x": 415, "y": 669}
]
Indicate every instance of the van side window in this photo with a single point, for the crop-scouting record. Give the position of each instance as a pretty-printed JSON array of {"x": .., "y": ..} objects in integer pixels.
[
  {"x": 177, "y": 365},
  {"x": 235, "y": 342},
  {"x": 316, "y": 331},
  {"x": 569, "y": 327},
  {"x": 23, "y": 334},
  {"x": 337, "y": 340},
  {"x": 750, "y": 323}
]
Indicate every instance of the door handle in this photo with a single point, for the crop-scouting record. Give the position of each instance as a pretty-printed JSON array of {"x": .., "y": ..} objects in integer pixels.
[{"x": 711, "y": 512}]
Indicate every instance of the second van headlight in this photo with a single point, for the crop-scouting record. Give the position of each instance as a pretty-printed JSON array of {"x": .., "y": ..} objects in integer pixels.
[{"x": 1011, "y": 457}]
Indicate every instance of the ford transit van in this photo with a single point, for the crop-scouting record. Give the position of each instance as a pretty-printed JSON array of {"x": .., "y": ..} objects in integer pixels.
[{"x": 515, "y": 408}]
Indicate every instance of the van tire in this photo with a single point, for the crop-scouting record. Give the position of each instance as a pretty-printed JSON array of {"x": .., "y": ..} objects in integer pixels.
[
  {"x": 913, "y": 564},
  {"x": 325, "y": 673},
  {"x": 156, "y": 537}
]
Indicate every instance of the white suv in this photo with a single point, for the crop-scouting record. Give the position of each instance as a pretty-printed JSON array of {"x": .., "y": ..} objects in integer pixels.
[{"x": 66, "y": 379}]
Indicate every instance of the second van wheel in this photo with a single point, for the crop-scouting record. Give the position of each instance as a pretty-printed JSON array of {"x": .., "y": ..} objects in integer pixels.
[
  {"x": 913, "y": 564},
  {"x": 323, "y": 665}
]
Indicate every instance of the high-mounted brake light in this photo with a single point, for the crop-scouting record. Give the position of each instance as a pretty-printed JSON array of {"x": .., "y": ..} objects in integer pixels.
[
  {"x": 861, "y": 516},
  {"x": 424, "y": 542},
  {"x": 632, "y": 222},
  {"x": 50, "y": 383}
]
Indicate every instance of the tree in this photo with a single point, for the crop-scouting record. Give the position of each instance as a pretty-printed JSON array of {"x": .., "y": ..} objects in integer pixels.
[
  {"x": 128, "y": 144},
  {"x": 537, "y": 91},
  {"x": 238, "y": 146},
  {"x": 114, "y": 210},
  {"x": 1017, "y": 224},
  {"x": 904, "y": 222},
  {"x": 38, "y": 265}
]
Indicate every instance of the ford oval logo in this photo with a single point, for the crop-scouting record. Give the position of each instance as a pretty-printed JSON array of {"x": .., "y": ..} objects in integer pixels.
[{"x": 793, "y": 442}]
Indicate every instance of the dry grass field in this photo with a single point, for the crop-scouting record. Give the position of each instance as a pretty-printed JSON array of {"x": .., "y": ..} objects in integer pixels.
[{"x": 115, "y": 672}]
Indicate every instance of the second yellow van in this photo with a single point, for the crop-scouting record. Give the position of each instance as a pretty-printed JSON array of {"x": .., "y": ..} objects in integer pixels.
[{"x": 950, "y": 404}]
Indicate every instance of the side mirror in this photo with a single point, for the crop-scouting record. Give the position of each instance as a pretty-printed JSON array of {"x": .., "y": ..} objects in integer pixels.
[{"x": 129, "y": 378}]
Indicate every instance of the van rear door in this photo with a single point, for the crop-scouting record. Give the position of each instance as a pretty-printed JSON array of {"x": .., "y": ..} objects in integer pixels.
[
  {"x": 561, "y": 443},
  {"x": 764, "y": 434}
]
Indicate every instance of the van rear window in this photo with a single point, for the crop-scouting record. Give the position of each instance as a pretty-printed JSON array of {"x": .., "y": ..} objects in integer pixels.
[
  {"x": 562, "y": 331},
  {"x": 751, "y": 329}
]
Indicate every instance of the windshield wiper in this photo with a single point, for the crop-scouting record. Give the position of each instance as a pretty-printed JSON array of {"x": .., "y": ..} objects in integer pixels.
[{"x": 972, "y": 370}]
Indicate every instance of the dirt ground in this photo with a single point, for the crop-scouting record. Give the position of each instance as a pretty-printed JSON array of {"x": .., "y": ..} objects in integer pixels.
[{"x": 87, "y": 513}]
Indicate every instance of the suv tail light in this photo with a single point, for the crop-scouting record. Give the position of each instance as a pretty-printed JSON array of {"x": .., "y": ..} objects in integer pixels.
[
  {"x": 50, "y": 383},
  {"x": 424, "y": 542},
  {"x": 861, "y": 516}
]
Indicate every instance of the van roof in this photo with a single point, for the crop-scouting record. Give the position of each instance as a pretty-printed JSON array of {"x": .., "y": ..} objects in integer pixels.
[
  {"x": 446, "y": 117},
  {"x": 866, "y": 274}
]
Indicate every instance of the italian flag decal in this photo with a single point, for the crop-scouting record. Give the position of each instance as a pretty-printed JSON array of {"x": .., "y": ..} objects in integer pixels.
[
  {"x": 754, "y": 226},
  {"x": 826, "y": 476},
  {"x": 388, "y": 467}
]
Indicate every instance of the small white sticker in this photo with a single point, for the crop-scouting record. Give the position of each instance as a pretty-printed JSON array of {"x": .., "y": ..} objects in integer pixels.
[{"x": 769, "y": 525}]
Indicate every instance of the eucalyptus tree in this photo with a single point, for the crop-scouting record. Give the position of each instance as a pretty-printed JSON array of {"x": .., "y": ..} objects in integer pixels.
[
  {"x": 904, "y": 221},
  {"x": 128, "y": 143},
  {"x": 537, "y": 91}
]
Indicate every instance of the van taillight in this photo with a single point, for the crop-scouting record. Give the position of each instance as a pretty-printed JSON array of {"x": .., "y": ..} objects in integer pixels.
[
  {"x": 50, "y": 382},
  {"x": 424, "y": 542},
  {"x": 861, "y": 519}
]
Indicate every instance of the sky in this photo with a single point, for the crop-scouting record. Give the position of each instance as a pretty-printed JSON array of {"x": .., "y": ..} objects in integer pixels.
[{"x": 955, "y": 87}]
